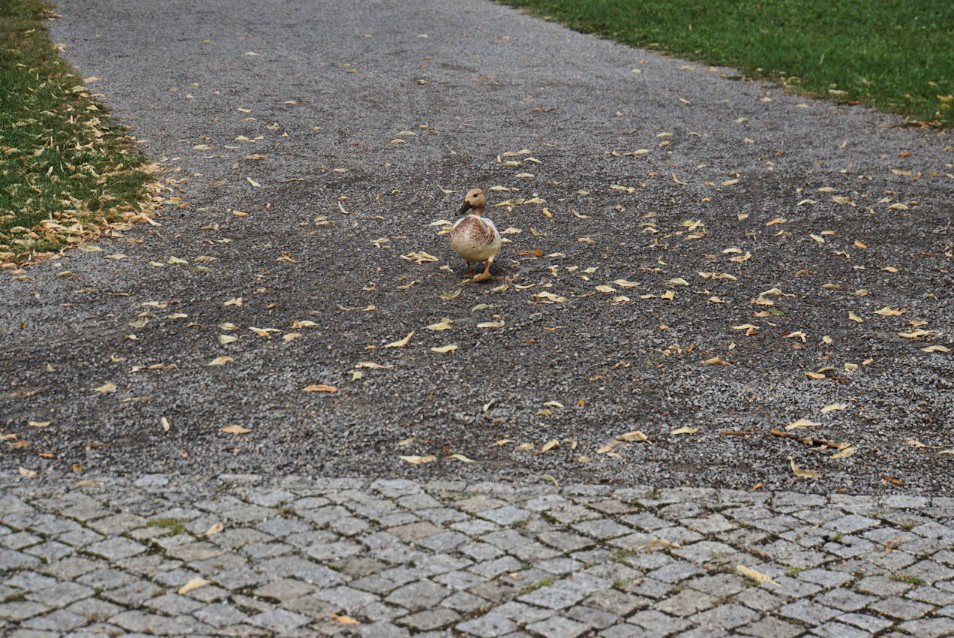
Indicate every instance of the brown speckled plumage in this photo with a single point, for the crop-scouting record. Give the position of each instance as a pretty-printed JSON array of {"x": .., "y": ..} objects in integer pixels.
[{"x": 475, "y": 238}]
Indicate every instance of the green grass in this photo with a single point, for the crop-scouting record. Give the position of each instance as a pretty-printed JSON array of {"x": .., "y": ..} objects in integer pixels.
[
  {"x": 173, "y": 526},
  {"x": 65, "y": 169},
  {"x": 895, "y": 55}
]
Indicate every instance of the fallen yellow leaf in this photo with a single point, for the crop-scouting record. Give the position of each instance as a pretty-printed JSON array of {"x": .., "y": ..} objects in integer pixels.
[
  {"x": 321, "y": 388},
  {"x": 195, "y": 583}
]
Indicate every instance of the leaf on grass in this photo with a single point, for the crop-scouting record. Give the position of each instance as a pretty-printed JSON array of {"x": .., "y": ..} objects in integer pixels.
[
  {"x": 800, "y": 473},
  {"x": 106, "y": 388},
  {"x": 757, "y": 576},
  {"x": 418, "y": 460},
  {"x": 219, "y": 361},
  {"x": 234, "y": 429},
  {"x": 320, "y": 387},
  {"x": 195, "y": 583},
  {"x": 444, "y": 349},
  {"x": 801, "y": 423},
  {"x": 444, "y": 324},
  {"x": 400, "y": 343}
]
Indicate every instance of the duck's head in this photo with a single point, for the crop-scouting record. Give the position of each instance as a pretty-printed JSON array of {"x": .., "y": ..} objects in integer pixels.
[{"x": 473, "y": 200}]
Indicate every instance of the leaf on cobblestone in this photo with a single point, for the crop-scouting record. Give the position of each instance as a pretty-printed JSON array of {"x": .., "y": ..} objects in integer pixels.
[
  {"x": 234, "y": 429},
  {"x": 38, "y": 424},
  {"x": 106, "y": 388},
  {"x": 757, "y": 576},
  {"x": 25, "y": 473},
  {"x": 800, "y": 473},
  {"x": 344, "y": 620},
  {"x": 418, "y": 460},
  {"x": 935, "y": 348},
  {"x": 215, "y": 528},
  {"x": 461, "y": 458},
  {"x": 219, "y": 361},
  {"x": 419, "y": 257},
  {"x": 195, "y": 583},
  {"x": 372, "y": 365}
]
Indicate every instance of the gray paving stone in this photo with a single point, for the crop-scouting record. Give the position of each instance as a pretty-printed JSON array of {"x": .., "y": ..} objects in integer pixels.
[
  {"x": 723, "y": 617},
  {"x": 901, "y": 608},
  {"x": 686, "y": 603},
  {"x": 429, "y": 619},
  {"x": 489, "y": 625},
  {"x": 657, "y": 623},
  {"x": 116, "y": 548},
  {"x": 19, "y": 610},
  {"x": 867, "y": 622},
  {"x": 279, "y": 620},
  {"x": 558, "y": 627},
  {"x": 807, "y": 612},
  {"x": 930, "y": 627},
  {"x": 61, "y": 594},
  {"x": 418, "y": 595},
  {"x": 844, "y": 599},
  {"x": 10, "y": 560},
  {"x": 675, "y": 571},
  {"x": 771, "y": 627},
  {"x": 881, "y": 586},
  {"x": 835, "y": 629},
  {"x": 141, "y": 622},
  {"x": 94, "y": 609},
  {"x": 382, "y": 629},
  {"x": 59, "y": 621}
]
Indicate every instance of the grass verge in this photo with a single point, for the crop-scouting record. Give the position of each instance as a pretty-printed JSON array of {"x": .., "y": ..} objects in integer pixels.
[
  {"x": 66, "y": 171},
  {"x": 894, "y": 55}
]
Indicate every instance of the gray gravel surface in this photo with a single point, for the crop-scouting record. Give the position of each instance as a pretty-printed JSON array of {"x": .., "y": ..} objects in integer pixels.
[{"x": 802, "y": 218}]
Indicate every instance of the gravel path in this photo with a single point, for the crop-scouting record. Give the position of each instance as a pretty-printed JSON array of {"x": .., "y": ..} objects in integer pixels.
[{"x": 793, "y": 262}]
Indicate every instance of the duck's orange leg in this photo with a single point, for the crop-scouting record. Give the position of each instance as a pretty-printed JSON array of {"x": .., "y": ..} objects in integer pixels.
[{"x": 486, "y": 274}]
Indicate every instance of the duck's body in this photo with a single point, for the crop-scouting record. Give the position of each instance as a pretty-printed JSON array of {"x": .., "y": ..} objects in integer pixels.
[{"x": 474, "y": 237}]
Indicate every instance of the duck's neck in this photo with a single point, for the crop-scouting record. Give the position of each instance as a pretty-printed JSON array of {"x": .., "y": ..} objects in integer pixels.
[{"x": 477, "y": 212}]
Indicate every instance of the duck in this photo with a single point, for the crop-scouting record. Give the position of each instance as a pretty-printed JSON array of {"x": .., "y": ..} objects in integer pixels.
[{"x": 474, "y": 237}]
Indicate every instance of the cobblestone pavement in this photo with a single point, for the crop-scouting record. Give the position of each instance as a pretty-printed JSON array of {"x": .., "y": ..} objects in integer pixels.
[{"x": 250, "y": 556}]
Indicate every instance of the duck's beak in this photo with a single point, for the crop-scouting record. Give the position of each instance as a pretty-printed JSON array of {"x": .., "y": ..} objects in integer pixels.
[{"x": 464, "y": 208}]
